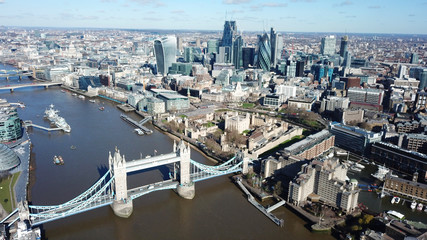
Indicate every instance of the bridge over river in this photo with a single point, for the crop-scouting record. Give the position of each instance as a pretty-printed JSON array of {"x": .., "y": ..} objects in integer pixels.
[{"x": 111, "y": 189}]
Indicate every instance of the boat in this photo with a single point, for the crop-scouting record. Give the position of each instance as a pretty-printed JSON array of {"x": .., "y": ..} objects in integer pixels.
[
  {"x": 393, "y": 200},
  {"x": 73, "y": 147},
  {"x": 52, "y": 115},
  {"x": 139, "y": 131},
  {"x": 358, "y": 165},
  {"x": 381, "y": 172},
  {"x": 101, "y": 108},
  {"x": 341, "y": 153},
  {"x": 58, "y": 160},
  {"x": 420, "y": 206},
  {"x": 63, "y": 91},
  {"x": 92, "y": 101},
  {"x": 81, "y": 97},
  {"x": 395, "y": 214},
  {"x": 413, "y": 205},
  {"x": 74, "y": 94},
  {"x": 355, "y": 169},
  {"x": 397, "y": 200}
]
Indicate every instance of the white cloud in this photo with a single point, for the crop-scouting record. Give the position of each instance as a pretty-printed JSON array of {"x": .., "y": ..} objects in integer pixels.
[{"x": 235, "y": 1}]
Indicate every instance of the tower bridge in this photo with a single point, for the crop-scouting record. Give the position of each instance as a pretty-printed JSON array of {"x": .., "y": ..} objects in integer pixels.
[{"x": 111, "y": 189}]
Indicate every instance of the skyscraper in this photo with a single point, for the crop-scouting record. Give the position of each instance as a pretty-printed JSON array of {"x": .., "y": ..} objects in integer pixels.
[
  {"x": 274, "y": 46},
  {"x": 230, "y": 30},
  {"x": 248, "y": 56},
  {"x": 165, "y": 50},
  {"x": 264, "y": 52},
  {"x": 237, "y": 52},
  {"x": 344, "y": 46},
  {"x": 414, "y": 58},
  {"x": 327, "y": 46},
  {"x": 213, "y": 46}
]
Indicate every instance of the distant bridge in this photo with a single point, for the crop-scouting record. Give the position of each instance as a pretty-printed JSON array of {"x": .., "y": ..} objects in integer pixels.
[
  {"x": 111, "y": 189},
  {"x": 16, "y": 73},
  {"x": 25, "y": 85}
]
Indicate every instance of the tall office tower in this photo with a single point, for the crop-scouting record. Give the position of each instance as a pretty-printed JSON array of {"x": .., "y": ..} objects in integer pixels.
[
  {"x": 291, "y": 68},
  {"x": 230, "y": 30},
  {"x": 165, "y": 50},
  {"x": 188, "y": 54},
  {"x": 198, "y": 43},
  {"x": 423, "y": 79},
  {"x": 264, "y": 52},
  {"x": 402, "y": 71},
  {"x": 179, "y": 43},
  {"x": 414, "y": 58},
  {"x": 300, "y": 69},
  {"x": 248, "y": 56},
  {"x": 344, "y": 46},
  {"x": 224, "y": 55},
  {"x": 237, "y": 52},
  {"x": 347, "y": 60},
  {"x": 327, "y": 46},
  {"x": 213, "y": 46},
  {"x": 276, "y": 43}
]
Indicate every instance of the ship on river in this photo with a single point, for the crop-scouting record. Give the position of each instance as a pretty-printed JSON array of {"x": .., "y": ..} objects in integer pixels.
[{"x": 52, "y": 115}]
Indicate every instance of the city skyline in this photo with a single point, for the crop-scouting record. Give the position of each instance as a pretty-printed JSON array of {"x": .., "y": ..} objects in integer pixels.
[{"x": 251, "y": 15}]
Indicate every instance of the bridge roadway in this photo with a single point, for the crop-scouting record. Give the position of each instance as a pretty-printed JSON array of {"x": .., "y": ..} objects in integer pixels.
[
  {"x": 145, "y": 163},
  {"x": 17, "y": 86}
]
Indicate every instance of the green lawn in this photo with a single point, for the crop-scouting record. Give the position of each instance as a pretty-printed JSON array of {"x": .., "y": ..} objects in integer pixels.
[
  {"x": 248, "y": 105},
  {"x": 282, "y": 145},
  {"x": 6, "y": 202}
]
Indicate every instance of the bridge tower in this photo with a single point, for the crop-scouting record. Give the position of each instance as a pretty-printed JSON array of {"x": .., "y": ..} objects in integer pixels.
[
  {"x": 122, "y": 204},
  {"x": 186, "y": 187},
  {"x": 241, "y": 157}
]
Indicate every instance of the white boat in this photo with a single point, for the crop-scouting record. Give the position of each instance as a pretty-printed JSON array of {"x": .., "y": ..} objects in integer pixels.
[
  {"x": 81, "y": 97},
  {"x": 397, "y": 200},
  {"x": 74, "y": 94},
  {"x": 341, "y": 153},
  {"x": 52, "y": 115},
  {"x": 139, "y": 131},
  {"x": 358, "y": 165},
  {"x": 395, "y": 214},
  {"x": 420, "y": 206},
  {"x": 413, "y": 205},
  {"x": 355, "y": 169},
  {"x": 381, "y": 172},
  {"x": 92, "y": 101},
  {"x": 393, "y": 200}
]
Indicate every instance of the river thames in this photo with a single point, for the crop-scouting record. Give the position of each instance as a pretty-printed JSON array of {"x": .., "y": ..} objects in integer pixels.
[{"x": 218, "y": 211}]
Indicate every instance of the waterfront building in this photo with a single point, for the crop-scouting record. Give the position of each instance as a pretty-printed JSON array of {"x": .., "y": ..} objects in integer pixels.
[
  {"x": 8, "y": 158},
  {"x": 237, "y": 122},
  {"x": 174, "y": 102},
  {"x": 354, "y": 139},
  {"x": 312, "y": 146},
  {"x": 404, "y": 160},
  {"x": 86, "y": 81},
  {"x": 152, "y": 105},
  {"x": 324, "y": 181},
  {"x": 327, "y": 45},
  {"x": 10, "y": 124},
  {"x": 264, "y": 52},
  {"x": 410, "y": 189},
  {"x": 165, "y": 50},
  {"x": 344, "y": 46}
]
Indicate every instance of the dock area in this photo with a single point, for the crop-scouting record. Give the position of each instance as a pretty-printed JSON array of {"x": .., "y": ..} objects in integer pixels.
[
  {"x": 265, "y": 211},
  {"x": 126, "y": 108},
  {"x": 30, "y": 124},
  {"x": 137, "y": 124}
]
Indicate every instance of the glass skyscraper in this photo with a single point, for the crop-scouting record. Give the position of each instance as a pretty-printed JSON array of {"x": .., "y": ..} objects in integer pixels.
[
  {"x": 327, "y": 46},
  {"x": 276, "y": 43},
  {"x": 230, "y": 30},
  {"x": 264, "y": 52},
  {"x": 165, "y": 50},
  {"x": 237, "y": 52},
  {"x": 344, "y": 46}
]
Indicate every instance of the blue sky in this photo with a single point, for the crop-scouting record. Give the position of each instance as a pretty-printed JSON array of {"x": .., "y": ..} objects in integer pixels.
[{"x": 359, "y": 16}]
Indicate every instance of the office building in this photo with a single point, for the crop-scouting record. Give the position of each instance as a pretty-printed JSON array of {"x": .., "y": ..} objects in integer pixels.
[
  {"x": 264, "y": 52},
  {"x": 213, "y": 46},
  {"x": 410, "y": 189},
  {"x": 276, "y": 43},
  {"x": 395, "y": 157},
  {"x": 165, "y": 50},
  {"x": 415, "y": 142},
  {"x": 344, "y": 46},
  {"x": 299, "y": 69},
  {"x": 237, "y": 52},
  {"x": 354, "y": 139},
  {"x": 312, "y": 146},
  {"x": 330, "y": 103},
  {"x": 181, "y": 68},
  {"x": 367, "y": 96},
  {"x": 327, "y": 45},
  {"x": 230, "y": 30},
  {"x": 414, "y": 58},
  {"x": 10, "y": 124},
  {"x": 248, "y": 57}
]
